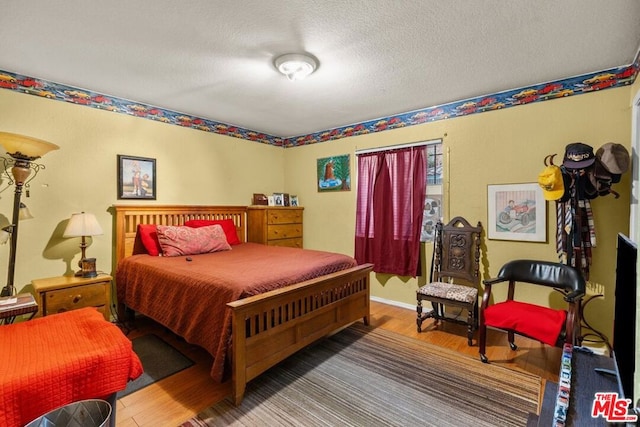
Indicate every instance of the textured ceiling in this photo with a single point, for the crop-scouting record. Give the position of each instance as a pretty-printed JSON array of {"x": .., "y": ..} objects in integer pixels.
[{"x": 214, "y": 59}]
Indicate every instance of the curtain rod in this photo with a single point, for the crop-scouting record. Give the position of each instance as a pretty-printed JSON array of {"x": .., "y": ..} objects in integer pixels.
[{"x": 399, "y": 146}]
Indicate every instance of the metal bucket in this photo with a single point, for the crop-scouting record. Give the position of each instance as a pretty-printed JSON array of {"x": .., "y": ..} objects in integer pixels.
[{"x": 86, "y": 413}]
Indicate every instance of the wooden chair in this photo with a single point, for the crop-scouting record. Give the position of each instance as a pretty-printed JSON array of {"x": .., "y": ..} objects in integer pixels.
[
  {"x": 550, "y": 326},
  {"x": 455, "y": 275}
]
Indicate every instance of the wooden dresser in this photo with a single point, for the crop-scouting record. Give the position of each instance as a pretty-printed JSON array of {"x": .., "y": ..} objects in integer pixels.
[{"x": 275, "y": 225}]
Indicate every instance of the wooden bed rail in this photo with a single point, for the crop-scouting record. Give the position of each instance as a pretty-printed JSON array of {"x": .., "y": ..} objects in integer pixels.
[{"x": 269, "y": 327}]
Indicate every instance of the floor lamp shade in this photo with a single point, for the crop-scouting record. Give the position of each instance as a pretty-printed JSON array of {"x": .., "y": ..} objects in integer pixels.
[{"x": 25, "y": 147}]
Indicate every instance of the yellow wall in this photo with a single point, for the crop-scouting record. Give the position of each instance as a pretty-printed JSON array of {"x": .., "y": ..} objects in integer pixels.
[
  {"x": 194, "y": 167},
  {"x": 500, "y": 147}
]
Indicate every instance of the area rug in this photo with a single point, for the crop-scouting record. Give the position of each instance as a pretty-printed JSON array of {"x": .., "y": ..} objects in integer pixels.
[
  {"x": 159, "y": 360},
  {"x": 371, "y": 377}
]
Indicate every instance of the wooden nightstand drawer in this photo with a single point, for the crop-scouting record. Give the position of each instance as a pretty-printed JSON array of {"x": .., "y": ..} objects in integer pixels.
[
  {"x": 284, "y": 231},
  {"x": 64, "y": 293},
  {"x": 75, "y": 297}
]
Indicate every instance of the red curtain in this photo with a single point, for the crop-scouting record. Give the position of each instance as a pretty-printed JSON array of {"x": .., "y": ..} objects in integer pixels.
[{"x": 391, "y": 192}]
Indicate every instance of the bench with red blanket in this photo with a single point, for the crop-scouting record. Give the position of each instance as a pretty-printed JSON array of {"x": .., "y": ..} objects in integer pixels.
[{"x": 51, "y": 361}]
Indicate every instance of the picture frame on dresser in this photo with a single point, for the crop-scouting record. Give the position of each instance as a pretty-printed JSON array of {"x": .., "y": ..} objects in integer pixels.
[
  {"x": 293, "y": 200},
  {"x": 136, "y": 177},
  {"x": 278, "y": 199}
]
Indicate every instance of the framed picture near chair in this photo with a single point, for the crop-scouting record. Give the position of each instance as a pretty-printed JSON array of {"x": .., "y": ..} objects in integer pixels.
[{"x": 517, "y": 212}]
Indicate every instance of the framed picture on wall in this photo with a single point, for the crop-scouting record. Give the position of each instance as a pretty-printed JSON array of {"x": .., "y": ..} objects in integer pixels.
[
  {"x": 334, "y": 173},
  {"x": 517, "y": 212},
  {"x": 136, "y": 177}
]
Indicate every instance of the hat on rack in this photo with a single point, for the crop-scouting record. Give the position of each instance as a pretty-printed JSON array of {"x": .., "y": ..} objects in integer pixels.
[
  {"x": 615, "y": 158},
  {"x": 552, "y": 182},
  {"x": 601, "y": 179},
  {"x": 578, "y": 156}
]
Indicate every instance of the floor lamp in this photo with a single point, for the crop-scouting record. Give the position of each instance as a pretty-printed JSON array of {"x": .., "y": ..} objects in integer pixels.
[{"x": 22, "y": 151}]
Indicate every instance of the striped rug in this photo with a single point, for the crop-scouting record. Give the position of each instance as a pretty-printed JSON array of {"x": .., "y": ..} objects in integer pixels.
[{"x": 371, "y": 377}]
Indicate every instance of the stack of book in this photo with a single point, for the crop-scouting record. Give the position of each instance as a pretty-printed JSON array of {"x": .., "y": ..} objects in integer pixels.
[{"x": 17, "y": 305}]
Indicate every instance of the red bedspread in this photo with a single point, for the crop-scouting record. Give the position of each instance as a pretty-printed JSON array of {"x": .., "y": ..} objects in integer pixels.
[
  {"x": 55, "y": 360},
  {"x": 190, "y": 297}
]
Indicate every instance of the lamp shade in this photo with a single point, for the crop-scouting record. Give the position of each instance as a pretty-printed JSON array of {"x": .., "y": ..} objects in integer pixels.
[
  {"x": 25, "y": 147},
  {"x": 24, "y": 212},
  {"x": 82, "y": 224}
]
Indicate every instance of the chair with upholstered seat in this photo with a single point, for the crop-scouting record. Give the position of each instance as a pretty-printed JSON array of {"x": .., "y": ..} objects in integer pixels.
[
  {"x": 455, "y": 276},
  {"x": 545, "y": 324}
]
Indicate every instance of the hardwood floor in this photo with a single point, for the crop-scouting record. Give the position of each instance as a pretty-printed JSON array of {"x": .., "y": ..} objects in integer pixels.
[{"x": 177, "y": 398}]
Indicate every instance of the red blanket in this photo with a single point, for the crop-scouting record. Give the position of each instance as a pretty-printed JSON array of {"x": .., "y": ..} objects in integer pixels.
[
  {"x": 51, "y": 361},
  {"x": 190, "y": 297}
]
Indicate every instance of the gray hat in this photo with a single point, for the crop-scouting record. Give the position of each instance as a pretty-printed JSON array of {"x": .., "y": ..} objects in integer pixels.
[{"x": 614, "y": 157}]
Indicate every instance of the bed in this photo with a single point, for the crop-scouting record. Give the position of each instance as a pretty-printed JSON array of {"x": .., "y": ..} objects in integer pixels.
[{"x": 246, "y": 332}]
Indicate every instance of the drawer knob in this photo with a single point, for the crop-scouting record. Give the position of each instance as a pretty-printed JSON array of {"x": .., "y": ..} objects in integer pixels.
[{"x": 77, "y": 298}]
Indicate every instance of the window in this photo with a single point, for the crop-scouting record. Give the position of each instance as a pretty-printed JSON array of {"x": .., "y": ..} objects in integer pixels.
[{"x": 433, "y": 198}]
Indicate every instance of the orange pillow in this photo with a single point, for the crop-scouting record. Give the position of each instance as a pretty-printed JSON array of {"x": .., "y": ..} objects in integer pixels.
[
  {"x": 227, "y": 225},
  {"x": 149, "y": 237},
  {"x": 177, "y": 241}
]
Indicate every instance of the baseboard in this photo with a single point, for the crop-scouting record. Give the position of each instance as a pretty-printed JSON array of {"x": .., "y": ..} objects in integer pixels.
[{"x": 394, "y": 303}]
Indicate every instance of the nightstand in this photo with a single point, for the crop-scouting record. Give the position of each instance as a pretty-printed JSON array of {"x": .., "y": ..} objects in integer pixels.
[{"x": 64, "y": 293}]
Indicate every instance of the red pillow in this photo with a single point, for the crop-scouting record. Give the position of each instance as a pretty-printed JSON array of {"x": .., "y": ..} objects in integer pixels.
[
  {"x": 177, "y": 240},
  {"x": 148, "y": 234},
  {"x": 228, "y": 227}
]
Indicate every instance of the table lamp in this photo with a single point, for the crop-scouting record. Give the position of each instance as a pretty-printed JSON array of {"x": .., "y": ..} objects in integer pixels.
[{"x": 84, "y": 225}]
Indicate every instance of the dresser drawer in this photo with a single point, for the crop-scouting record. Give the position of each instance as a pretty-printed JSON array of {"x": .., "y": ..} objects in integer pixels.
[
  {"x": 285, "y": 231},
  {"x": 92, "y": 295},
  {"x": 290, "y": 243},
  {"x": 282, "y": 216}
]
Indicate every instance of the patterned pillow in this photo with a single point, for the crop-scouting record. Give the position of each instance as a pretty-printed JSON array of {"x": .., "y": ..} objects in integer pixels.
[{"x": 180, "y": 240}]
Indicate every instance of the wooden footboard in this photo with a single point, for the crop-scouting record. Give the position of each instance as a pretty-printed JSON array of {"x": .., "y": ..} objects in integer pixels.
[{"x": 269, "y": 327}]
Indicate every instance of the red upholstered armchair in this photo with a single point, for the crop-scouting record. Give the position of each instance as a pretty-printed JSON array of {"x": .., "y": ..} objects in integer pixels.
[{"x": 545, "y": 324}]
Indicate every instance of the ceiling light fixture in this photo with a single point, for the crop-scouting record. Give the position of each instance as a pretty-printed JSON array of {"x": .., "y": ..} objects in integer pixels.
[{"x": 296, "y": 66}]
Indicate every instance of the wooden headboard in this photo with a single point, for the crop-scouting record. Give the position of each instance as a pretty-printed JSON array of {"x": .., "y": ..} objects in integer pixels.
[{"x": 128, "y": 217}]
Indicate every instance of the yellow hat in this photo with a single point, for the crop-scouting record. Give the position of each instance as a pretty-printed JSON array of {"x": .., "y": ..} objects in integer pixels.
[{"x": 552, "y": 182}]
